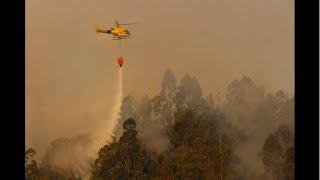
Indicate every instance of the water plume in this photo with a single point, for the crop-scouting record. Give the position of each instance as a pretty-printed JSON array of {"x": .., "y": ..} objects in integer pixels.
[
  {"x": 76, "y": 154},
  {"x": 105, "y": 130}
]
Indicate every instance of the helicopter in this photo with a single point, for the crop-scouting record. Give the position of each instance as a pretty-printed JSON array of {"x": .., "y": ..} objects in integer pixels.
[{"x": 118, "y": 31}]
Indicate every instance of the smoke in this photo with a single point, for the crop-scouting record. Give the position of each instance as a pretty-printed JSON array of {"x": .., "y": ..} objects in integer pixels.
[
  {"x": 104, "y": 133},
  {"x": 107, "y": 128},
  {"x": 70, "y": 155},
  {"x": 68, "y": 80},
  {"x": 259, "y": 116},
  {"x": 76, "y": 154},
  {"x": 154, "y": 137}
]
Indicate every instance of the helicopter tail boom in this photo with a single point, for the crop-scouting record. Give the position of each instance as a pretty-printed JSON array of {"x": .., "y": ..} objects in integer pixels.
[{"x": 97, "y": 30}]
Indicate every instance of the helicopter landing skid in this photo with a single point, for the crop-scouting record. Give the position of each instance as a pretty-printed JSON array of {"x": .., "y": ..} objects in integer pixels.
[{"x": 120, "y": 38}]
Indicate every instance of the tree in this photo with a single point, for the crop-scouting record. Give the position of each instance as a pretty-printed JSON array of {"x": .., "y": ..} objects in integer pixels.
[
  {"x": 151, "y": 131},
  {"x": 28, "y": 155},
  {"x": 285, "y": 113},
  {"x": 272, "y": 156},
  {"x": 30, "y": 165},
  {"x": 189, "y": 93},
  {"x": 197, "y": 151},
  {"x": 125, "y": 159},
  {"x": 225, "y": 155},
  {"x": 181, "y": 134},
  {"x": 163, "y": 106},
  {"x": 45, "y": 171},
  {"x": 209, "y": 102},
  {"x": 278, "y": 153},
  {"x": 128, "y": 109},
  {"x": 288, "y": 168},
  {"x": 244, "y": 104},
  {"x": 105, "y": 167},
  {"x": 243, "y": 90},
  {"x": 168, "y": 86},
  {"x": 285, "y": 136},
  {"x": 143, "y": 112}
]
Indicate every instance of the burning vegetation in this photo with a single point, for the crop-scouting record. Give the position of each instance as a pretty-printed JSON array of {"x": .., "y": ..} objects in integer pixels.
[{"x": 183, "y": 134}]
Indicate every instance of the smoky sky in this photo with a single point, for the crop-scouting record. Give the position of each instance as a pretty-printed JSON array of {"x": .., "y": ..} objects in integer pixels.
[{"x": 71, "y": 73}]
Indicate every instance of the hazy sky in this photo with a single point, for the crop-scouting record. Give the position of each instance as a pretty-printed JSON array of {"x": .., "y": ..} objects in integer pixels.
[{"x": 71, "y": 74}]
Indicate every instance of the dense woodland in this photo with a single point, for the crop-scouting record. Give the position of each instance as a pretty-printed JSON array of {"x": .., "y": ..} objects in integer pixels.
[{"x": 183, "y": 134}]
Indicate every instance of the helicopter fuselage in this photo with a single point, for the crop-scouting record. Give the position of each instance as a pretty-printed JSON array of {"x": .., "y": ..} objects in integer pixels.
[{"x": 119, "y": 32}]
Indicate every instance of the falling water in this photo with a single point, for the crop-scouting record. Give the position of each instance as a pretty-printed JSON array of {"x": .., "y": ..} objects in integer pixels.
[{"x": 103, "y": 134}]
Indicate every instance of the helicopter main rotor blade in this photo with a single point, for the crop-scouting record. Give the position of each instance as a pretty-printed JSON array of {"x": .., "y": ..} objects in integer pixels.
[{"x": 129, "y": 23}]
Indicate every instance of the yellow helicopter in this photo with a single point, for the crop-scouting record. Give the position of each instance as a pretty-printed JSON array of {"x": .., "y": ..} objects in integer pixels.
[{"x": 118, "y": 31}]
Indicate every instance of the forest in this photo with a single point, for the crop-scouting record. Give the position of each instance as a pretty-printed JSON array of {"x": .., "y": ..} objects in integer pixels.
[{"x": 182, "y": 133}]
